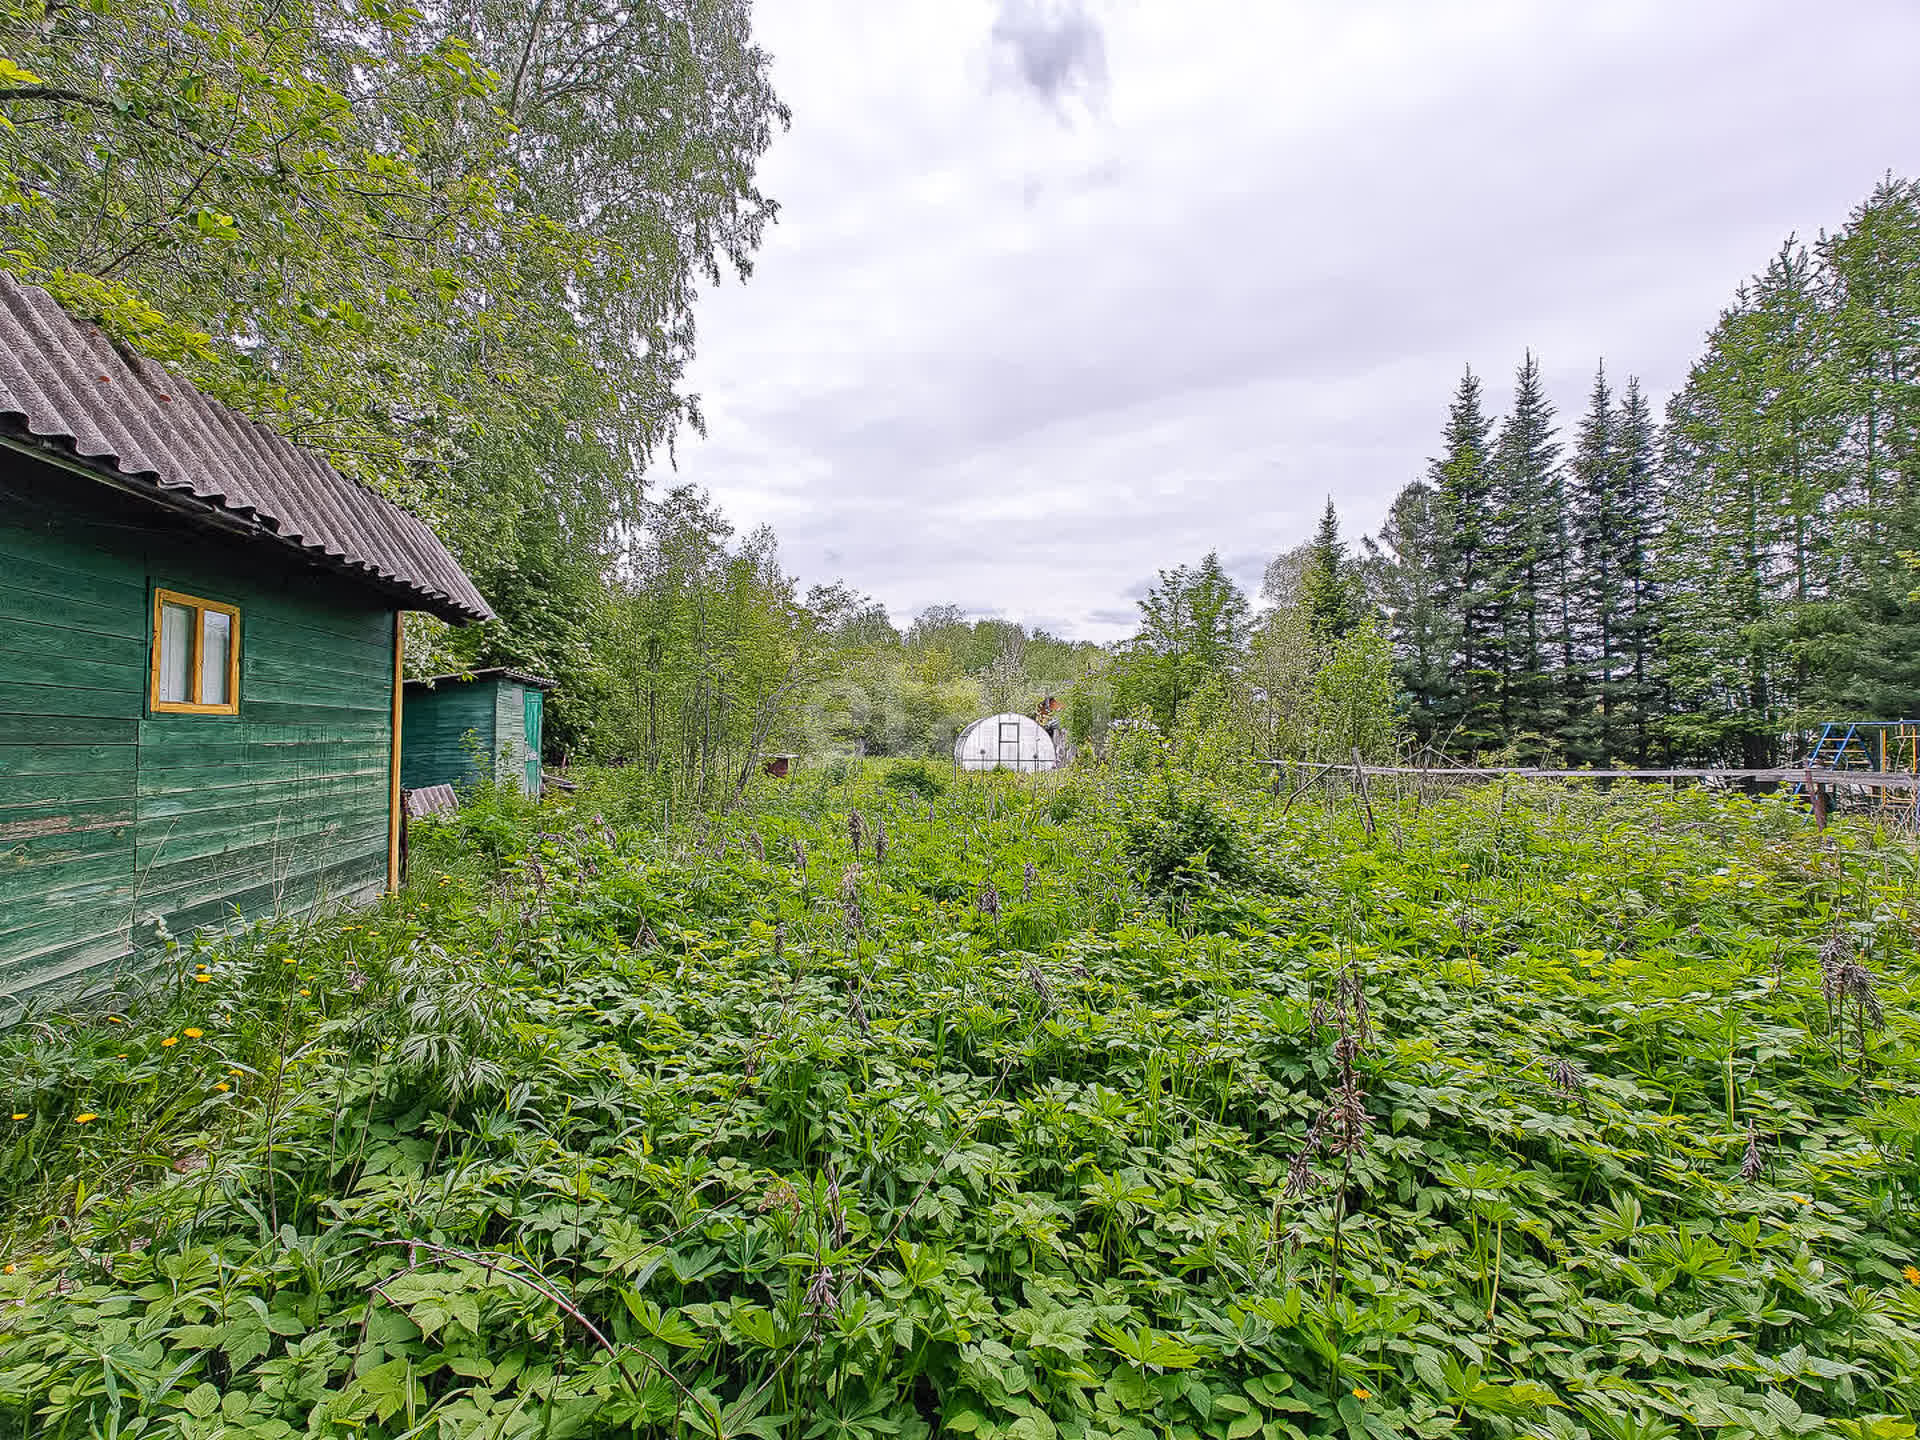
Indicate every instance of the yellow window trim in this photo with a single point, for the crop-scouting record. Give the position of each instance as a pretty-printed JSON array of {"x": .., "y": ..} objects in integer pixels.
[{"x": 194, "y": 707}]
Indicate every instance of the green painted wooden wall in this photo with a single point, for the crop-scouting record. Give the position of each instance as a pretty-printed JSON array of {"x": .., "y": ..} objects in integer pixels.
[
  {"x": 435, "y": 748},
  {"x": 117, "y": 826},
  {"x": 434, "y": 745}
]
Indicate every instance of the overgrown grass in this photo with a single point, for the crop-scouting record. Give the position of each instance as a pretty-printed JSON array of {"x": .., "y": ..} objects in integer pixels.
[{"x": 1535, "y": 1113}]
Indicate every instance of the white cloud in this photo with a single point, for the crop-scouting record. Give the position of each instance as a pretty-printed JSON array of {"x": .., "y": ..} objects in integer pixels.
[{"x": 1017, "y": 345}]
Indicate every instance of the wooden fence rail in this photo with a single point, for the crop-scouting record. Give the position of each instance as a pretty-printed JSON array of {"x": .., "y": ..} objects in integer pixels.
[{"x": 1866, "y": 779}]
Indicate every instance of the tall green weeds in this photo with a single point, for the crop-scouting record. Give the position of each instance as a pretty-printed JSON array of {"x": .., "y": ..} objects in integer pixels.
[{"x": 1540, "y": 1113}]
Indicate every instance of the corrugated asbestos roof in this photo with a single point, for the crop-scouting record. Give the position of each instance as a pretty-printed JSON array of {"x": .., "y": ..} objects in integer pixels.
[{"x": 62, "y": 379}]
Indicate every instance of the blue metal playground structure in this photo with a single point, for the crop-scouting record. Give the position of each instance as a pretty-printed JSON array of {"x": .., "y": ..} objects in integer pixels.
[{"x": 1879, "y": 746}]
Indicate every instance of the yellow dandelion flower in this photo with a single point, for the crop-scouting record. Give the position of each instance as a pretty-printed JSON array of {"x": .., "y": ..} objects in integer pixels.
[
  {"x": 114, "y": 1020},
  {"x": 169, "y": 1042},
  {"x": 306, "y": 992},
  {"x": 6, "y": 1269},
  {"x": 201, "y": 979},
  {"x": 1911, "y": 1275},
  {"x": 1360, "y": 1392},
  {"x": 222, "y": 1085},
  {"x": 193, "y": 1034},
  {"x": 199, "y": 967},
  {"x": 85, "y": 1117},
  {"x": 289, "y": 961},
  {"x": 120, "y": 1057},
  {"x": 236, "y": 1072},
  {"x": 19, "y": 1114}
]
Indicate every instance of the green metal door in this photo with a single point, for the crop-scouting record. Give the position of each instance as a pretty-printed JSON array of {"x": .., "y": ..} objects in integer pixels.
[{"x": 533, "y": 740}]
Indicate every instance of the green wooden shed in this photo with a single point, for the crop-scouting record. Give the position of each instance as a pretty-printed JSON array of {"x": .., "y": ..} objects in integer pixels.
[
  {"x": 200, "y": 625},
  {"x": 453, "y": 723}
]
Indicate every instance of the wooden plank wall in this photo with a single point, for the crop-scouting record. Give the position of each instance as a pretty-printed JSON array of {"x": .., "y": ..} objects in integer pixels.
[
  {"x": 73, "y": 655},
  {"x": 510, "y": 733},
  {"x": 434, "y": 749},
  {"x": 117, "y": 827}
]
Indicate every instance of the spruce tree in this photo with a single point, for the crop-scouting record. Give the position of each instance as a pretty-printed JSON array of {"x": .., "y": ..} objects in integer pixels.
[
  {"x": 1465, "y": 712},
  {"x": 1529, "y": 567},
  {"x": 1634, "y": 703},
  {"x": 1610, "y": 505},
  {"x": 1634, "y": 626},
  {"x": 1329, "y": 584},
  {"x": 1871, "y": 283},
  {"x": 1403, "y": 566},
  {"x": 1747, "y": 553},
  {"x": 1593, "y": 482}
]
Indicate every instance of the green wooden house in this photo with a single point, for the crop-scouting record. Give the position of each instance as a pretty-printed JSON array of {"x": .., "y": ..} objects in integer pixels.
[
  {"x": 454, "y": 725},
  {"x": 200, "y": 625}
]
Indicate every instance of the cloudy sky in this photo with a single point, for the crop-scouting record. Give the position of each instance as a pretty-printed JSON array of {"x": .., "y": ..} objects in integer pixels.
[{"x": 1065, "y": 291}]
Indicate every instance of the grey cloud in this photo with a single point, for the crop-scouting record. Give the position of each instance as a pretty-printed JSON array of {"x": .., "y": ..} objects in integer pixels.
[
  {"x": 1052, "y": 48},
  {"x": 973, "y": 377}
]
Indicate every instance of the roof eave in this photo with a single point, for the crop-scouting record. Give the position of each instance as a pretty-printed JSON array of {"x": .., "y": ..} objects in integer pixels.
[{"x": 58, "y": 451}]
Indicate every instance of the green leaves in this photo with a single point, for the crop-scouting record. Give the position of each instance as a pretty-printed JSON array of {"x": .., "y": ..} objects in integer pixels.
[
  {"x": 696, "y": 1185},
  {"x": 1150, "y": 1349}
]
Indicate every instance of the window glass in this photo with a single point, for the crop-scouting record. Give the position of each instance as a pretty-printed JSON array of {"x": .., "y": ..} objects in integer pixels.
[
  {"x": 176, "y": 654},
  {"x": 216, "y": 650}
]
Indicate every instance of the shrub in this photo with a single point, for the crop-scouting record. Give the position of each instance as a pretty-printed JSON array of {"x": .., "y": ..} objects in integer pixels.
[
  {"x": 1136, "y": 744},
  {"x": 915, "y": 777},
  {"x": 1186, "y": 842},
  {"x": 492, "y": 822}
]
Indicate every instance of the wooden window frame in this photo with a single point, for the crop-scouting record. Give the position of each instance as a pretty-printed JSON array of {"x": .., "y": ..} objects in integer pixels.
[{"x": 199, "y": 606}]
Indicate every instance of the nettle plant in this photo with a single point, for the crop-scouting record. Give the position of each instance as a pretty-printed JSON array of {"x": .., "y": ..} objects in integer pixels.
[{"x": 1536, "y": 1113}]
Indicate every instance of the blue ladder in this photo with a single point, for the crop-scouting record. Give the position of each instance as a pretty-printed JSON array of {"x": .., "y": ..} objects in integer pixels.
[{"x": 1830, "y": 751}]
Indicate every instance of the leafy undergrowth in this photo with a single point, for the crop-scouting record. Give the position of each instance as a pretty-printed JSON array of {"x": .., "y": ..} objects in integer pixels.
[{"x": 1549, "y": 1114}]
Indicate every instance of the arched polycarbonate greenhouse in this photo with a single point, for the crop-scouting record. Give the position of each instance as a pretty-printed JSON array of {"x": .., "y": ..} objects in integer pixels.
[{"x": 1005, "y": 742}]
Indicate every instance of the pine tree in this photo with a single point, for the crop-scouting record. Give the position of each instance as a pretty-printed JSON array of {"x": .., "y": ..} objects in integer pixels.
[
  {"x": 1465, "y": 712},
  {"x": 1529, "y": 568}
]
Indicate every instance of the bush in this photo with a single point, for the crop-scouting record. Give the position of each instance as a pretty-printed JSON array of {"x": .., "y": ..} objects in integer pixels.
[
  {"x": 915, "y": 777},
  {"x": 1065, "y": 803},
  {"x": 1185, "y": 843},
  {"x": 493, "y": 822},
  {"x": 1136, "y": 744}
]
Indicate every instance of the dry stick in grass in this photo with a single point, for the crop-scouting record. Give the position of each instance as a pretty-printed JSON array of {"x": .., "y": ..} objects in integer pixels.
[
  {"x": 1360, "y": 784},
  {"x": 1306, "y": 785}
]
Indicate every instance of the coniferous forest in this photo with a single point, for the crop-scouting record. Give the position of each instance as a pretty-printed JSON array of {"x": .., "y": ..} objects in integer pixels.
[{"x": 1612, "y": 586}]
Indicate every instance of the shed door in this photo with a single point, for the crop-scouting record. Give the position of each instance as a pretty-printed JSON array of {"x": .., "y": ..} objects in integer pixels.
[{"x": 533, "y": 740}]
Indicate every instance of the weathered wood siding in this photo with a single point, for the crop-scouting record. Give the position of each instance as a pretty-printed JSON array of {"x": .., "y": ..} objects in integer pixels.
[
  {"x": 73, "y": 653},
  {"x": 434, "y": 744},
  {"x": 510, "y": 726},
  {"x": 117, "y": 826}
]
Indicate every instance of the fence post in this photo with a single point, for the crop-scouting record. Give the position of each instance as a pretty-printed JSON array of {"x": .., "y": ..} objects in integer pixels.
[
  {"x": 1360, "y": 784},
  {"x": 1819, "y": 798}
]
